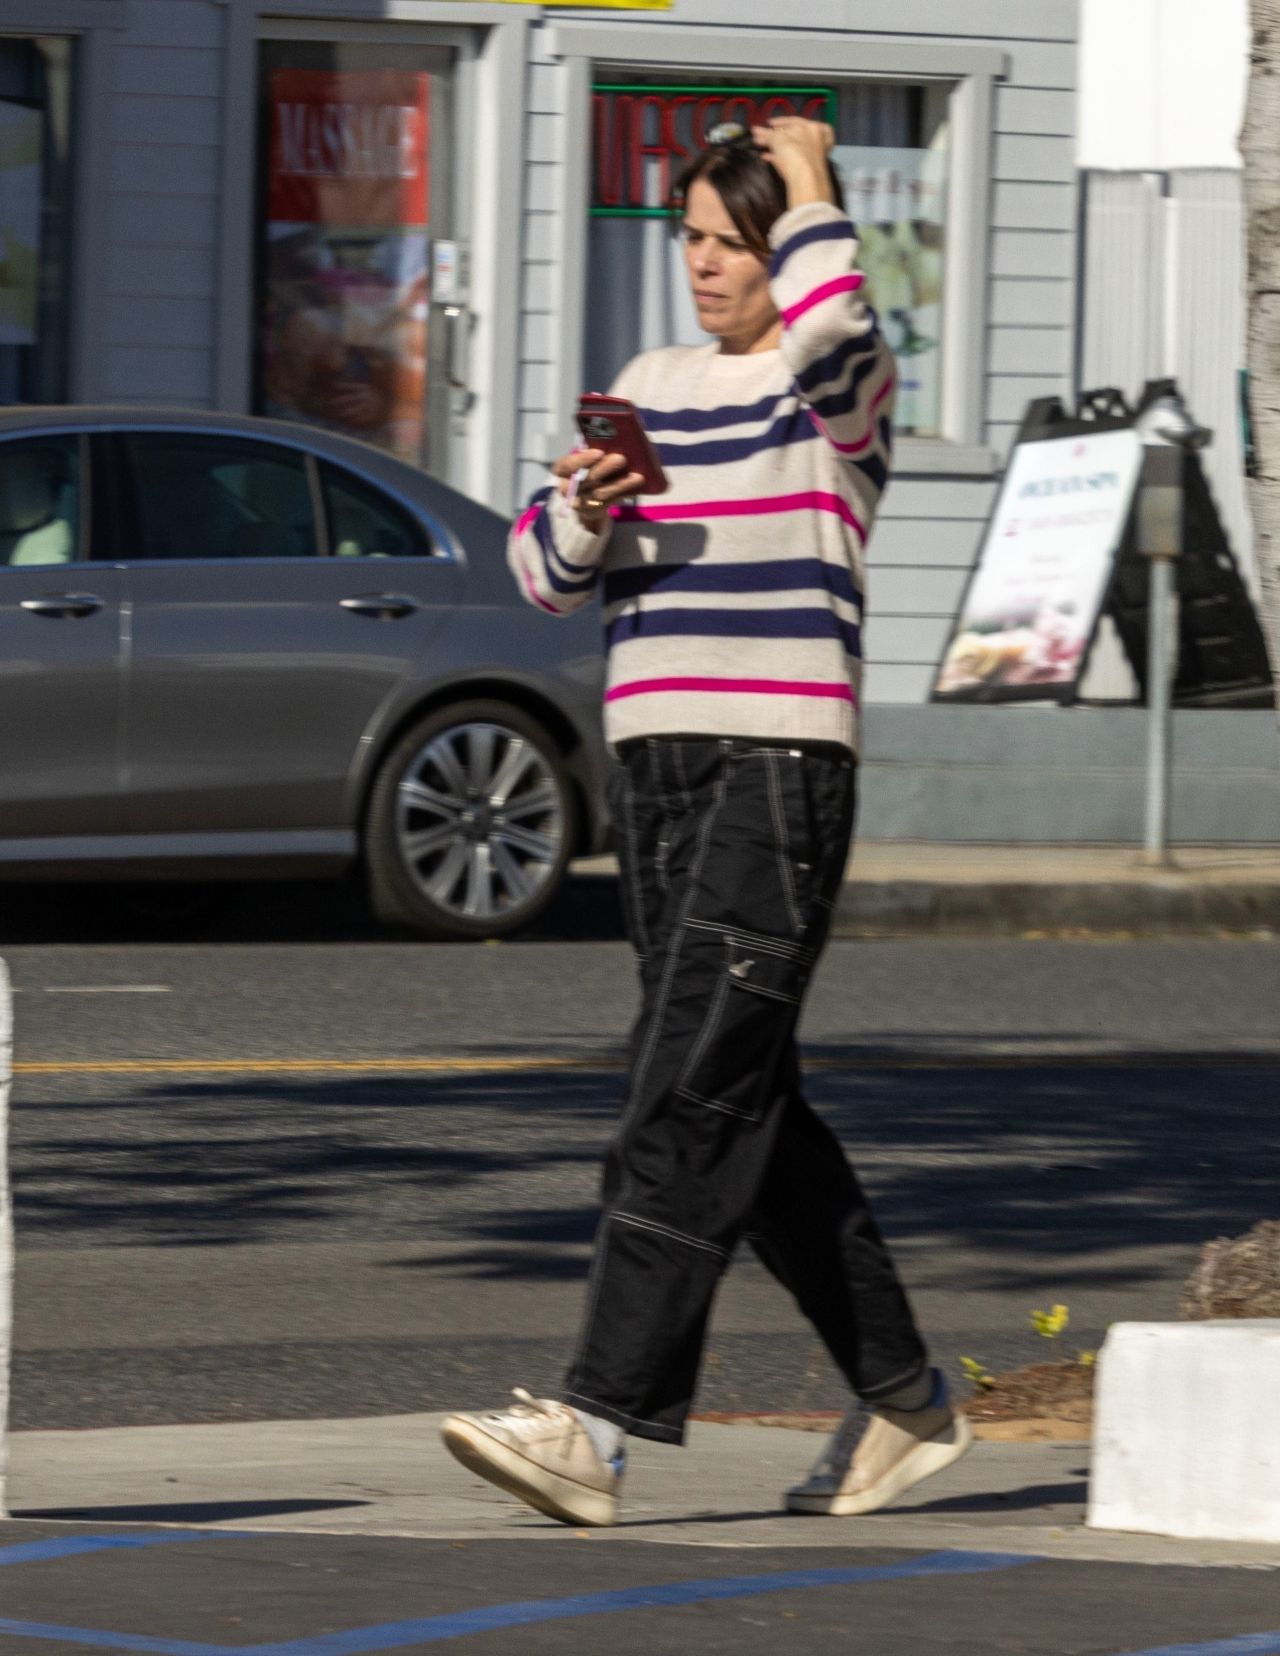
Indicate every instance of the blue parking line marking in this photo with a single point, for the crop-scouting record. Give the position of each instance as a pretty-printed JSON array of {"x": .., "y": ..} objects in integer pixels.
[
  {"x": 70, "y": 1546},
  {"x": 433, "y": 1629},
  {"x": 1244, "y": 1644},
  {"x": 111, "y": 1641}
]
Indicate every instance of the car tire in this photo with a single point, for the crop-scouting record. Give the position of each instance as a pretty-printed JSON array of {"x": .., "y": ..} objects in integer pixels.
[{"x": 471, "y": 823}]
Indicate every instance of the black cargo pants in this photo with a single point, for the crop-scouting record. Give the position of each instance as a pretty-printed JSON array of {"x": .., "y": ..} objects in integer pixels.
[{"x": 732, "y": 853}]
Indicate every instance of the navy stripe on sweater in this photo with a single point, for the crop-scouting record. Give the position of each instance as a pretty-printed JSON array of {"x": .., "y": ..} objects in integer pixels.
[
  {"x": 833, "y": 365},
  {"x": 722, "y": 451},
  {"x": 774, "y": 575},
  {"x": 718, "y": 623},
  {"x": 571, "y": 580},
  {"x": 709, "y": 419},
  {"x": 845, "y": 401},
  {"x": 840, "y": 231}
]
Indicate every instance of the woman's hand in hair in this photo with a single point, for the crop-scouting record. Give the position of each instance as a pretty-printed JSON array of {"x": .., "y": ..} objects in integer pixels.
[
  {"x": 607, "y": 480},
  {"x": 799, "y": 150}
]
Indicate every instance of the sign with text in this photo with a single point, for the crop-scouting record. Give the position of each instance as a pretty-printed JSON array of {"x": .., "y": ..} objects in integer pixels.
[
  {"x": 345, "y": 280},
  {"x": 348, "y": 147},
  {"x": 642, "y": 135},
  {"x": 1044, "y": 570}
]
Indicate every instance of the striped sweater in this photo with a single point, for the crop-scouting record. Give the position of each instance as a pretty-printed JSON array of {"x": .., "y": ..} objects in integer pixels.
[{"x": 733, "y": 603}]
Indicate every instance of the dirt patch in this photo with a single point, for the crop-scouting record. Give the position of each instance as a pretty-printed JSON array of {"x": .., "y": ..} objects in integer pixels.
[
  {"x": 1042, "y": 1403},
  {"x": 1041, "y": 1391}
]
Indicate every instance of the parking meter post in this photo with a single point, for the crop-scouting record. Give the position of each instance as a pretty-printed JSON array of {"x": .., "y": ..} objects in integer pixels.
[{"x": 1160, "y": 528}]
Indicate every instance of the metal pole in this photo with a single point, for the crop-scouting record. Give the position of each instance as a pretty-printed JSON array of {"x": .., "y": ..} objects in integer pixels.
[
  {"x": 1159, "y": 714},
  {"x": 1160, "y": 512}
]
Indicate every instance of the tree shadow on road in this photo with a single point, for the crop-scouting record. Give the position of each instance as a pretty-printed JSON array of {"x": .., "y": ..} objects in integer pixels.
[{"x": 1025, "y": 1169}]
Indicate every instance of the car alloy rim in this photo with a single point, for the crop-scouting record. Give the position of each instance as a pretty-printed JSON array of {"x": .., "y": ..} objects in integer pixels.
[{"x": 479, "y": 820}]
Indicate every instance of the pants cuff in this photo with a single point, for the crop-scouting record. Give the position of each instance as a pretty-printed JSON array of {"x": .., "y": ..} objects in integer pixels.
[
  {"x": 651, "y": 1429},
  {"x": 885, "y": 1388}
]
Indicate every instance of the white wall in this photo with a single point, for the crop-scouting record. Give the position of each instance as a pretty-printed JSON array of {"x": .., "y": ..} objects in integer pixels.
[{"x": 1162, "y": 83}]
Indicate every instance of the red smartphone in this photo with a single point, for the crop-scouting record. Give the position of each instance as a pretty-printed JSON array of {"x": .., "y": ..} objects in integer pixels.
[{"x": 614, "y": 425}]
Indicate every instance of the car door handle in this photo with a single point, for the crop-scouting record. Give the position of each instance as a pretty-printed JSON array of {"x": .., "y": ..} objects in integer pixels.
[
  {"x": 63, "y": 603},
  {"x": 383, "y": 606}
]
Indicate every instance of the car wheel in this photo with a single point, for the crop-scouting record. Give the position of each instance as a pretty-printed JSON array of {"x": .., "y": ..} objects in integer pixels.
[{"x": 471, "y": 823}]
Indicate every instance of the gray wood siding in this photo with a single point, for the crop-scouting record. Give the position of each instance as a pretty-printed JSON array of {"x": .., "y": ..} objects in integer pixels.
[
  {"x": 158, "y": 318},
  {"x": 929, "y": 528}
]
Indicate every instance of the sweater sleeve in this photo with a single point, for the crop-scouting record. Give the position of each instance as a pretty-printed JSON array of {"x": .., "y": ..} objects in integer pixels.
[
  {"x": 555, "y": 560},
  {"x": 831, "y": 340}
]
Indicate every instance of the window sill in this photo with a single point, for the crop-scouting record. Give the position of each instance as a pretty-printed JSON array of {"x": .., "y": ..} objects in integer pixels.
[{"x": 934, "y": 457}]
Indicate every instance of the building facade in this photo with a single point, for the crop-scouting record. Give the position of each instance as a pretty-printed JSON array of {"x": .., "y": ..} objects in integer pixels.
[
  {"x": 433, "y": 223},
  {"x": 213, "y": 214}
]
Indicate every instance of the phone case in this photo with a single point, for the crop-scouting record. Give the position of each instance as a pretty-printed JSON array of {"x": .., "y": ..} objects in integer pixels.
[{"x": 614, "y": 424}]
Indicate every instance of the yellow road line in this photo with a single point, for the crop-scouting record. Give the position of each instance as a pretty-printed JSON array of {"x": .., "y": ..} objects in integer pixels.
[
  {"x": 312, "y": 1066},
  {"x": 605, "y": 1065}
]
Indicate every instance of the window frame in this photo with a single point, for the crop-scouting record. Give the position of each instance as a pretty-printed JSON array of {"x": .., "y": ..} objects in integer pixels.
[
  {"x": 324, "y": 463},
  {"x": 591, "y": 51},
  {"x": 126, "y": 507}
]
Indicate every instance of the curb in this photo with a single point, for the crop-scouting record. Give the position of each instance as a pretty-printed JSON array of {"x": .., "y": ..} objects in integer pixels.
[{"x": 1161, "y": 905}]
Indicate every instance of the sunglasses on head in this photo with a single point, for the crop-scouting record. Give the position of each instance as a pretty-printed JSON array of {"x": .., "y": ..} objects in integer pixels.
[{"x": 731, "y": 135}]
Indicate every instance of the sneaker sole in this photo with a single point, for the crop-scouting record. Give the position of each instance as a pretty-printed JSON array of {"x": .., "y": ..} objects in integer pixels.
[
  {"x": 556, "y": 1496},
  {"x": 934, "y": 1455}
]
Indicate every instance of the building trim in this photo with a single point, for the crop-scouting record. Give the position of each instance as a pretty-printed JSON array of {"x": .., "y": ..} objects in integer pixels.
[
  {"x": 50, "y": 17},
  {"x": 497, "y": 72},
  {"x": 761, "y": 48}
]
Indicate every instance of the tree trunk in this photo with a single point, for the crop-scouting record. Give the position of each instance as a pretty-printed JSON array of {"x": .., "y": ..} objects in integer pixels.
[{"x": 1260, "y": 146}]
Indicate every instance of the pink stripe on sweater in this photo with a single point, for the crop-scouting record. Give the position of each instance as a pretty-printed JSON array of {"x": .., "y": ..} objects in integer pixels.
[
  {"x": 812, "y": 500},
  {"x": 828, "y": 290},
  {"x": 863, "y": 442},
  {"x": 528, "y": 518},
  {"x": 526, "y": 580},
  {"x": 745, "y": 687}
]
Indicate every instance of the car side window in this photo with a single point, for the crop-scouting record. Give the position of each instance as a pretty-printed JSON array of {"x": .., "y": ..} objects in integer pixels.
[
  {"x": 364, "y": 523},
  {"x": 40, "y": 502},
  {"x": 214, "y": 497}
]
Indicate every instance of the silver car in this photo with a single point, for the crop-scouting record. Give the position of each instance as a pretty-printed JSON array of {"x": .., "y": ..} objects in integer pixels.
[{"x": 234, "y": 647}]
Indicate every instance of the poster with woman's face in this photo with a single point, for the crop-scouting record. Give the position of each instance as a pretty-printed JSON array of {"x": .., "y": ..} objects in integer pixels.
[{"x": 344, "y": 341}]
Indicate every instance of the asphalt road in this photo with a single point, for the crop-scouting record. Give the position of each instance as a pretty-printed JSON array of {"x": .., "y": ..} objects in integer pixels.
[{"x": 384, "y": 1201}]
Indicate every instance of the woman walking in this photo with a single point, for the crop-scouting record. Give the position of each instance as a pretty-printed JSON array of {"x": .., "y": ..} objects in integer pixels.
[{"x": 733, "y": 607}]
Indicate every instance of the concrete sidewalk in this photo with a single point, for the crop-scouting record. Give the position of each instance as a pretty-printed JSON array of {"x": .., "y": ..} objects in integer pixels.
[
  {"x": 390, "y": 1476},
  {"x": 904, "y": 888}
]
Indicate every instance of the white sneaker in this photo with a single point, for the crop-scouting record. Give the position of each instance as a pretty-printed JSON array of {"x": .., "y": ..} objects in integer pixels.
[
  {"x": 540, "y": 1452},
  {"x": 861, "y": 1471}
]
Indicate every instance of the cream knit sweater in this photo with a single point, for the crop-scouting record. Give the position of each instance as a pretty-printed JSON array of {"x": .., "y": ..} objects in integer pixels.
[{"x": 733, "y": 604}]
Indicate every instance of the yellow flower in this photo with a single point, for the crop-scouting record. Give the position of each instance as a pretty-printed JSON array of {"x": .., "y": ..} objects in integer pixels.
[{"x": 1050, "y": 1323}]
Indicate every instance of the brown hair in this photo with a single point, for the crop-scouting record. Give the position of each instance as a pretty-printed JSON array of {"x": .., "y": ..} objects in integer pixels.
[{"x": 751, "y": 188}]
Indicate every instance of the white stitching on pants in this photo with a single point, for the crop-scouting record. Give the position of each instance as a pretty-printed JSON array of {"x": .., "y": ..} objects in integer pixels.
[
  {"x": 633, "y": 860},
  {"x": 710, "y": 1024},
  {"x": 666, "y": 1230},
  {"x": 754, "y": 940},
  {"x": 783, "y": 844},
  {"x": 640, "y": 1071},
  {"x": 715, "y": 1104}
]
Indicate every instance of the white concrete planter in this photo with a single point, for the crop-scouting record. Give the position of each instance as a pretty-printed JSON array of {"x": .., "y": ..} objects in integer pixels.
[{"x": 1187, "y": 1431}]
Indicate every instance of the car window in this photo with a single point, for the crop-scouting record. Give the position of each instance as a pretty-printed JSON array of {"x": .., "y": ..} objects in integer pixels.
[
  {"x": 40, "y": 501},
  {"x": 220, "y": 497},
  {"x": 364, "y": 523}
]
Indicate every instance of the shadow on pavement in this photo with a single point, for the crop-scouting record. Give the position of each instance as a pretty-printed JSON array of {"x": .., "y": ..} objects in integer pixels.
[
  {"x": 1010, "y": 1500},
  {"x": 182, "y": 1512},
  {"x": 585, "y": 910}
]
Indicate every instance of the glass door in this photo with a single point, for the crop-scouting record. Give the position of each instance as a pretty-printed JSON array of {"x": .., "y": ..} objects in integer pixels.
[{"x": 356, "y": 201}]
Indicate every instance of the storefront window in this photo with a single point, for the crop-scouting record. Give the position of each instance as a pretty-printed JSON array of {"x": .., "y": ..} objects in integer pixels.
[
  {"x": 354, "y": 197},
  {"x": 35, "y": 217},
  {"x": 892, "y": 158}
]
